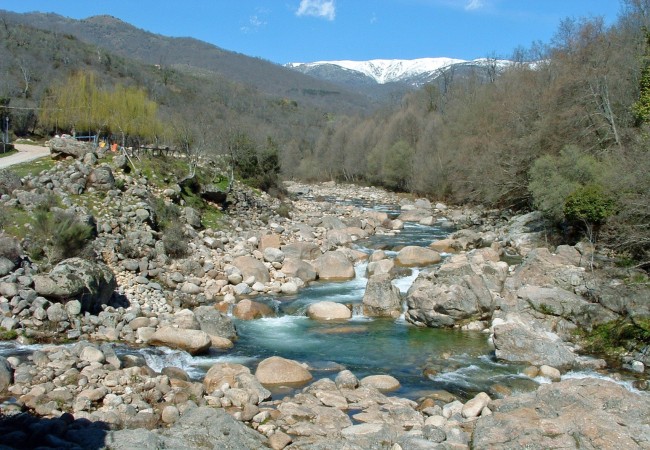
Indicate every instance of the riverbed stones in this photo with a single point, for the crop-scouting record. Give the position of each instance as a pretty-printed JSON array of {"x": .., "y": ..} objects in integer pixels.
[
  {"x": 195, "y": 427},
  {"x": 192, "y": 341},
  {"x": 334, "y": 266},
  {"x": 280, "y": 371},
  {"x": 328, "y": 311}
]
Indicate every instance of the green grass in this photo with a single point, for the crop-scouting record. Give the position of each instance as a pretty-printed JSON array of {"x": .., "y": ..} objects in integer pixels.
[
  {"x": 14, "y": 221},
  {"x": 33, "y": 167},
  {"x": 8, "y": 335},
  {"x": 617, "y": 337}
]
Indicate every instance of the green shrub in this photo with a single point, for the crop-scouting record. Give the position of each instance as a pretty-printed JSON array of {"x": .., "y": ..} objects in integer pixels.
[
  {"x": 58, "y": 235},
  {"x": 554, "y": 178},
  {"x": 165, "y": 214},
  {"x": 589, "y": 204},
  {"x": 175, "y": 241},
  {"x": 284, "y": 210}
]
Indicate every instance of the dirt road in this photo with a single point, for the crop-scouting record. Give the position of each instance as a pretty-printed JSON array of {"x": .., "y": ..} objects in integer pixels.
[{"x": 25, "y": 153}]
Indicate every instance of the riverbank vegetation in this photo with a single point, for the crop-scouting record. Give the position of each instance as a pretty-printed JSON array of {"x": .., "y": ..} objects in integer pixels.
[{"x": 564, "y": 128}]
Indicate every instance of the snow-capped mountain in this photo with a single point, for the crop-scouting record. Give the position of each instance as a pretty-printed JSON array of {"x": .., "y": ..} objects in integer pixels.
[{"x": 412, "y": 72}]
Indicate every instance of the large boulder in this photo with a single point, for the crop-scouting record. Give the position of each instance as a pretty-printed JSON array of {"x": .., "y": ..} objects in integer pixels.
[
  {"x": 381, "y": 298},
  {"x": 307, "y": 251},
  {"x": 251, "y": 267},
  {"x": 577, "y": 413},
  {"x": 559, "y": 303},
  {"x": 519, "y": 341},
  {"x": 411, "y": 256},
  {"x": 199, "y": 427},
  {"x": 6, "y": 374},
  {"x": 9, "y": 181},
  {"x": 334, "y": 266},
  {"x": 280, "y": 371},
  {"x": 221, "y": 373},
  {"x": 62, "y": 147},
  {"x": 381, "y": 382},
  {"x": 296, "y": 268},
  {"x": 540, "y": 267},
  {"x": 249, "y": 310},
  {"x": 92, "y": 283},
  {"x": 101, "y": 178},
  {"x": 328, "y": 311},
  {"x": 443, "y": 303},
  {"x": 192, "y": 341},
  {"x": 214, "y": 322}
]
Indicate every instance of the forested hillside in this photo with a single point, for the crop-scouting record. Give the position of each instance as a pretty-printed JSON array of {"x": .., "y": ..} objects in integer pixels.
[
  {"x": 196, "y": 107},
  {"x": 570, "y": 129},
  {"x": 197, "y": 57}
]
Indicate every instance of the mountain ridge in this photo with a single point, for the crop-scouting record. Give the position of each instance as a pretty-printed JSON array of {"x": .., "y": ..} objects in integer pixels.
[{"x": 413, "y": 72}]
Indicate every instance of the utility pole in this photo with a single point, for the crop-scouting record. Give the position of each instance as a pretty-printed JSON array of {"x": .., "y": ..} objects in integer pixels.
[{"x": 5, "y": 141}]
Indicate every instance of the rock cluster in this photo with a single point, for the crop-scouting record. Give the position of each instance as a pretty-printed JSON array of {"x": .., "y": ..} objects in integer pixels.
[{"x": 137, "y": 293}]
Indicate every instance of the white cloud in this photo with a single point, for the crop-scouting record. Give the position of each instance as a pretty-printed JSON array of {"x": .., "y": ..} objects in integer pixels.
[
  {"x": 255, "y": 22},
  {"x": 473, "y": 5},
  {"x": 317, "y": 8}
]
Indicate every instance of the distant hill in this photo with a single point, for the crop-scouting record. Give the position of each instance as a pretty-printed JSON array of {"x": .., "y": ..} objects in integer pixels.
[{"x": 192, "y": 55}]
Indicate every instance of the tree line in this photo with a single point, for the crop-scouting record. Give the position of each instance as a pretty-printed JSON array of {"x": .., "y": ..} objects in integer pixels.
[{"x": 564, "y": 129}]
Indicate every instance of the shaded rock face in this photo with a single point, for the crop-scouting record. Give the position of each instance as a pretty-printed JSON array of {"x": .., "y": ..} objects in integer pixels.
[
  {"x": 92, "y": 283},
  {"x": 585, "y": 413},
  {"x": 381, "y": 298},
  {"x": 9, "y": 181}
]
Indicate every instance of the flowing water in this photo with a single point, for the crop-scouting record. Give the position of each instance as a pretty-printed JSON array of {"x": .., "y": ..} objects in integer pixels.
[{"x": 422, "y": 359}]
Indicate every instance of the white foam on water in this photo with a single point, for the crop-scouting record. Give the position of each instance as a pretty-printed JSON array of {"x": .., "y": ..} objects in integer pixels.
[
  {"x": 404, "y": 283},
  {"x": 460, "y": 377},
  {"x": 160, "y": 357},
  {"x": 585, "y": 374}
]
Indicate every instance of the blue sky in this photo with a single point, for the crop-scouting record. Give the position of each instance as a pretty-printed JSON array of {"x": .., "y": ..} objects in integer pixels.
[{"x": 313, "y": 30}]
